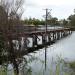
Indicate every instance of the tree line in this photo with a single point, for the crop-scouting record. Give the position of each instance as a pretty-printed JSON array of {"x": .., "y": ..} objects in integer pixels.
[
  {"x": 69, "y": 22},
  {"x": 34, "y": 21}
]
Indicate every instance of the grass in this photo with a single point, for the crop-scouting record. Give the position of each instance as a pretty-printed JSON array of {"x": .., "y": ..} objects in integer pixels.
[
  {"x": 3, "y": 70},
  {"x": 72, "y": 65}
]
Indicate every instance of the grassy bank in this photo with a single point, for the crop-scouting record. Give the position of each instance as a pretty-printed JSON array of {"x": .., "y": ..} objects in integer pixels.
[{"x": 72, "y": 66}]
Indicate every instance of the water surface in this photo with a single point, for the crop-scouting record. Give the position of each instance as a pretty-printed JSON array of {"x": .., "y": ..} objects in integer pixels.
[{"x": 46, "y": 63}]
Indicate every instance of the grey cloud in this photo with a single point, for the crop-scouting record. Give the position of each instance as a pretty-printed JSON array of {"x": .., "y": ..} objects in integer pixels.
[{"x": 30, "y": 3}]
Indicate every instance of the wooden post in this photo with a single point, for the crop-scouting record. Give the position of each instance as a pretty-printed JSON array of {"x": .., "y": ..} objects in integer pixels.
[
  {"x": 25, "y": 43},
  {"x": 69, "y": 31},
  {"x": 58, "y": 35},
  {"x": 43, "y": 39},
  {"x": 34, "y": 40},
  {"x": 53, "y": 36},
  {"x": 19, "y": 42},
  {"x": 49, "y": 38},
  {"x": 64, "y": 34},
  {"x": 61, "y": 35}
]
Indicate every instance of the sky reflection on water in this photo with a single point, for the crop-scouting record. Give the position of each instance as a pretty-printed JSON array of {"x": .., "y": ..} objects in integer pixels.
[{"x": 62, "y": 49}]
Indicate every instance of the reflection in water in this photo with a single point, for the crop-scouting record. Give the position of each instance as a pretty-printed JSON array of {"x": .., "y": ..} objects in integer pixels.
[
  {"x": 51, "y": 60},
  {"x": 45, "y": 57}
]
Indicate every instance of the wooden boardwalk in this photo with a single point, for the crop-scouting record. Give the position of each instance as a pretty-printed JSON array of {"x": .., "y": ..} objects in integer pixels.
[
  {"x": 47, "y": 37},
  {"x": 37, "y": 32}
]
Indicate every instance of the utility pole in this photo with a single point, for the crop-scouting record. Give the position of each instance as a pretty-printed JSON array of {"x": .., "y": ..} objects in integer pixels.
[
  {"x": 46, "y": 19},
  {"x": 46, "y": 16}
]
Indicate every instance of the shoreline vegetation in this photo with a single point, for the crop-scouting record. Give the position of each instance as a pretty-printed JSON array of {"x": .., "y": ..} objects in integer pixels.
[
  {"x": 68, "y": 68},
  {"x": 72, "y": 65}
]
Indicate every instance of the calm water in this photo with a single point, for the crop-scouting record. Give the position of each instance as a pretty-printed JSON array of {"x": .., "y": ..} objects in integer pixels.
[
  {"x": 51, "y": 59},
  {"x": 46, "y": 64}
]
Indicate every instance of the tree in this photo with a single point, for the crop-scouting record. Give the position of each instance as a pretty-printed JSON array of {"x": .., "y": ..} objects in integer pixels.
[
  {"x": 65, "y": 22},
  {"x": 10, "y": 15},
  {"x": 34, "y": 21},
  {"x": 71, "y": 19},
  {"x": 12, "y": 11}
]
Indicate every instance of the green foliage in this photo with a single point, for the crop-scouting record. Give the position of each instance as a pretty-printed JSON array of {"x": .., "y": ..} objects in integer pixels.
[
  {"x": 72, "y": 20},
  {"x": 65, "y": 22},
  {"x": 3, "y": 70},
  {"x": 53, "y": 21},
  {"x": 34, "y": 21},
  {"x": 72, "y": 65}
]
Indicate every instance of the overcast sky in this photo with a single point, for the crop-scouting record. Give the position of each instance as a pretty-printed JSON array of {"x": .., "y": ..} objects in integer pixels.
[{"x": 60, "y": 8}]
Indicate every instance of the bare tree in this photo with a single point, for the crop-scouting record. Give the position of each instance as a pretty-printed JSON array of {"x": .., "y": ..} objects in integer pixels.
[
  {"x": 10, "y": 15},
  {"x": 13, "y": 11}
]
